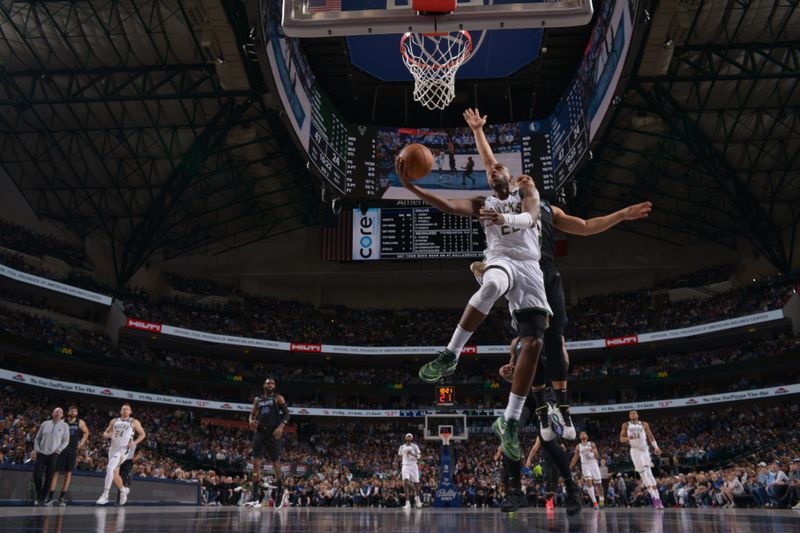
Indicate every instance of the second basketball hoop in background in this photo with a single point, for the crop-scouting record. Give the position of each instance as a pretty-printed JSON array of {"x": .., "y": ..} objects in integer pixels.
[{"x": 433, "y": 59}]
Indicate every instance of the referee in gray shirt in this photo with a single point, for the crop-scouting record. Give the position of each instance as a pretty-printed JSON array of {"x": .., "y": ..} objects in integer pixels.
[{"x": 51, "y": 439}]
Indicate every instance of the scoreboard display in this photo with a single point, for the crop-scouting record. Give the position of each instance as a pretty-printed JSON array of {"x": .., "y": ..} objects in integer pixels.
[{"x": 415, "y": 233}]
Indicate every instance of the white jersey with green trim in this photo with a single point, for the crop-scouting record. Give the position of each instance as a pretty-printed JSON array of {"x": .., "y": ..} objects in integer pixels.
[{"x": 504, "y": 241}]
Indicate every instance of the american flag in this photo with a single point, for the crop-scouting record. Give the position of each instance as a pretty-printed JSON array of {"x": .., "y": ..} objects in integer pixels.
[
  {"x": 317, "y": 6},
  {"x": 337, "y": 236}
]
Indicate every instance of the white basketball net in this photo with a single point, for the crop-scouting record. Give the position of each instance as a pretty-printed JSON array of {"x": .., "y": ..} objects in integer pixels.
[{"x": 433, "y": 59}]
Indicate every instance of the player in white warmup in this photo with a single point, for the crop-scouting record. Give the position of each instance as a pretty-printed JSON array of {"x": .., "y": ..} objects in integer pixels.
[
  {"x": 123, "y": 444},
  {"x": 638, "y": 434},
  {"x": 587, "y": 452},
  {"x": 410, "y": 453}
]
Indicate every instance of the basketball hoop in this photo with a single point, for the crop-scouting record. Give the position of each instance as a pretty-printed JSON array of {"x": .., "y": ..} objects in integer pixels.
[
  {"x": 445, "y": 436},
  {"x": 433, "y": 59}
]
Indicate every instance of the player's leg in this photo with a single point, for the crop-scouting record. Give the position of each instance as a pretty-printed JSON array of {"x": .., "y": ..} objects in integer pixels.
[
  {"x": 114, "y": 458},
  {"x": 649, "y": 481},
  {"x": 555, "y": 349},
  {"x": 496, "y": 282},
  {"x": 275, "y": 449},
  {"x": 590, "y": 487}
]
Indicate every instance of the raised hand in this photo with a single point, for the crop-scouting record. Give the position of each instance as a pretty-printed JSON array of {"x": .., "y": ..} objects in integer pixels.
[{"x": 474, "y": 119}]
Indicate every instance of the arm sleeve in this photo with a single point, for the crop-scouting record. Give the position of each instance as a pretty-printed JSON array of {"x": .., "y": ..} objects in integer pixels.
[{"x": 284, "y": 411}]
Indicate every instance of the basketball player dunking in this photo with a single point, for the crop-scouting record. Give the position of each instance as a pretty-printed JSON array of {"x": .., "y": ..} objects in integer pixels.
[
  {"x": 512, "y": 269},
  {"x": 78, "y": 435},
  {"x": 587, "y": 452},
  {"x": 555, "y": 353},
  {"x": 637, "y": 434},
  {"x": 268, "y": 419},
  {"x": 121, "y": 431},
  {"x": 410, "y": 454}
]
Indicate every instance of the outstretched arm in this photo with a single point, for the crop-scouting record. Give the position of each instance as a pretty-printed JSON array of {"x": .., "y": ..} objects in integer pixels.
[
  {"x": 476, "y": 122},
  {"x": 651, "y": 438},
  {"x": 464, "y": 208},
  {"x": 578, "y": 226}
]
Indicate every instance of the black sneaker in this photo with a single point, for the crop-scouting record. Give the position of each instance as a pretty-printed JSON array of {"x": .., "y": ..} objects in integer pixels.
[
  {"x": 515, "y": 500},
  {"x": 574, "y": 498}
]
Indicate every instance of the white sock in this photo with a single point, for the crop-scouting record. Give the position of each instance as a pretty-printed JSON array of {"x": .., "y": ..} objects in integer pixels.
[
  {"x": 653, "y": 494},
  {"x": 602, "y": 499},
  {"x": 514, "y": 407},
  {"x": 591, "y": 495},
  {"x": 460, "y": 338}
]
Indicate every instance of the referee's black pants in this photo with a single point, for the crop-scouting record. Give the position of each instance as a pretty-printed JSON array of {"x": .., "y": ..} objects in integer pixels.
[{"x": 43, "y": 470}]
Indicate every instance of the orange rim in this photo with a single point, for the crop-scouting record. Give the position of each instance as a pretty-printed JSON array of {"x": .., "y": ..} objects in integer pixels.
[{"x": 455, "y": 61}]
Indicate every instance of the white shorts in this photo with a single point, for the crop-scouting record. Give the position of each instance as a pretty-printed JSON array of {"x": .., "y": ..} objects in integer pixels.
[
  {"x": 410, "y": 473},
  {"x": 590, "y": 471},
  {"x": 526, "y": 283},
  {"x": 641, "y": 459},
  {"x": 116, "y": 456}
]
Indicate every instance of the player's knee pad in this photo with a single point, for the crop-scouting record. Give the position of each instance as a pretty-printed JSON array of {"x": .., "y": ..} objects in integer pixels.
[
  {"x": 531, "y": 323},
  {"x": 496, "y": 283}
]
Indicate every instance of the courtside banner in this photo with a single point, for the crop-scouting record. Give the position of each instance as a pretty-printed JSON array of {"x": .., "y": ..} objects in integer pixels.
[
  {"x": 309, "y": 347},
  {"x": 51, "y": 285},
  {"x": 126, "y": 395}
]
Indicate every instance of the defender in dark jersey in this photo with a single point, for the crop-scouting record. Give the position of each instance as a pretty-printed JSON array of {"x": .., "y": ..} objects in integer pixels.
[
  {"x": 268, "y": 418},
  {"x": 78, "y": 435}
]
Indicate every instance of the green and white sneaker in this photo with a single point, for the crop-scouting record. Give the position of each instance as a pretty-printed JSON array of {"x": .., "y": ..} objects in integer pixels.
[
  {"x": 443, "y": 366},
  {"x": 508, "y": 432}
]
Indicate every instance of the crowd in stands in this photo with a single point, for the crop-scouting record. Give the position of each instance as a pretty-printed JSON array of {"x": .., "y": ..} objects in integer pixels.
[
  {"x": 594, "y": 317},
  {"x": 22, "y": 239},
  {"x": 701, "y": 449},
  {"x": 699, "y": 278}
]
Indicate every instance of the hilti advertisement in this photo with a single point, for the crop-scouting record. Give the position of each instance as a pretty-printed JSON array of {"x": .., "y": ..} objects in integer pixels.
[{"x": 305, "y": 347}]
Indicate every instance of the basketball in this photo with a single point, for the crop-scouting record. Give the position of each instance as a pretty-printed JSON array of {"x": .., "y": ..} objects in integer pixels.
[{"x": 419, "y": 160}]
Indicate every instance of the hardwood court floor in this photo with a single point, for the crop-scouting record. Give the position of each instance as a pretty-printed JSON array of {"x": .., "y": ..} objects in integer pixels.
[{"x": 332, "y": 520}]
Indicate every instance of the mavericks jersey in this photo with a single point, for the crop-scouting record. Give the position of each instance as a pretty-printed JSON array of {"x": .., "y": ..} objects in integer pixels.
[
  {"x": 636, "y": 436},
  {"x": 75, "y": 433},
  {"x": 268, "y": 416},
  {"x": 587, "y": 455},
  {"x": 504, "y": 241},
  {"x": 549, "y": 237},
  {"x": 410, "y": 453},
  {"x": 123, "y": 433}
]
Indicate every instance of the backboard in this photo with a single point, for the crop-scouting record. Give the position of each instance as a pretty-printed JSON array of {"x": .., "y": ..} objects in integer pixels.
[
  {"x": 329, "y": 18},
  {"x": 454, "y": 424}
]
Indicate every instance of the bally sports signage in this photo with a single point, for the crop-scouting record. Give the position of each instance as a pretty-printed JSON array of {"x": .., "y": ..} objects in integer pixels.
[
  {"x": 309, "y": 347},
  {"x": 126, "y": 395}
]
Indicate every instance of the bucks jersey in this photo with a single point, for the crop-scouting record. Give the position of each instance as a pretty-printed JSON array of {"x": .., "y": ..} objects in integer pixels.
[
  {"x": 504, "y": 241},
  {"x": 123, "y": 433},
  {"x": 636, "y": 436},
  {"x": 587, "y": 454}
]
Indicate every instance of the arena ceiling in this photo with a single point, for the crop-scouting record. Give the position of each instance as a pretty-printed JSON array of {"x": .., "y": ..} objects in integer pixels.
[
  {"x": 708, "y": 128},
  {"x": 148, "y": 122},
  {"x": 145, "y": 122}
]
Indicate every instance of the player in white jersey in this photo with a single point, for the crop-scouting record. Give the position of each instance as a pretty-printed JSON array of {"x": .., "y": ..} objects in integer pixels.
[
  {"x": 510, "y": 217},
  {"x": 637, "y": 434},
  {"x": 587, "y": 452},
  {"x": 125, "y": 433},
  {"x": 410, "y": 454}
]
